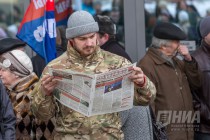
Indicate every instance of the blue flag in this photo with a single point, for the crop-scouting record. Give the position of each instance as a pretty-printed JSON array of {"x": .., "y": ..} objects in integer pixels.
[{"x": 38, "y": 29}]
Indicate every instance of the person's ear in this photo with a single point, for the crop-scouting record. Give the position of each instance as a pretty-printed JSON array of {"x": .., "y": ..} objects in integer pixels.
[
  {"x": 71, "y": 42},
  {"x": 106, "y": 36},
  {"x": 162, "y": 47}
]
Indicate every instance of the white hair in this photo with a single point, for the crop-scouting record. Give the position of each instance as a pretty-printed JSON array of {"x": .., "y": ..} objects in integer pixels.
[{"x": 156, "y": 42}]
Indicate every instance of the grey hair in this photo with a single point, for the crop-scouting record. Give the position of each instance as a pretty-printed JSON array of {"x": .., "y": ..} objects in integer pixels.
[{"x": 156, "y": 42}]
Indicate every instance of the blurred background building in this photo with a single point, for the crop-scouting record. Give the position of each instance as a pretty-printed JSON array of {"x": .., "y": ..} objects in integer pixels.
[{"x": 135, "y": 19}]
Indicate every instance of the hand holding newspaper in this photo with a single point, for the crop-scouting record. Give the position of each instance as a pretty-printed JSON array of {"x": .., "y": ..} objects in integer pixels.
[{"x": 95, "y": 94}]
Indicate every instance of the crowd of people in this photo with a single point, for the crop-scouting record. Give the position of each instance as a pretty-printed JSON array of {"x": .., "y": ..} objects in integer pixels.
[
  {"x": 175, "y": 89},
  {"x": 186, "y": 17}
]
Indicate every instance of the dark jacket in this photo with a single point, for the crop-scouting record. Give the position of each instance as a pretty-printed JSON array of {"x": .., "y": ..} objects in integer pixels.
[
  {"x": 7, "y": 116},
  {"x": 173, "y": 90},
  {"x": 202, "y": 95},
  {"x": 39, "y": 63},
  {"x": 114, "y": 47}
]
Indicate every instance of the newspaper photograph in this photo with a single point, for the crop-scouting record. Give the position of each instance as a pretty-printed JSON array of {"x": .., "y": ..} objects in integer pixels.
[{"x": 95, "y": 94}]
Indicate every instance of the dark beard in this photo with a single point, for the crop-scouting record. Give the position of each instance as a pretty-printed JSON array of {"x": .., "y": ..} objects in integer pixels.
[{"x": 84, "y": 49}]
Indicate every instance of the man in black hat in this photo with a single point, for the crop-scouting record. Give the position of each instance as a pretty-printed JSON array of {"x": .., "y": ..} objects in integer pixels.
[
  {"x": 173, "y": 79},
  {"x": 136, "y": 121},
  {"x": 107, "y": 36}
]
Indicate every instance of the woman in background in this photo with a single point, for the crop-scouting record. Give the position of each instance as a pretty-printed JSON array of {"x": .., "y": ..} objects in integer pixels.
[{"x": 16, "y": 72}]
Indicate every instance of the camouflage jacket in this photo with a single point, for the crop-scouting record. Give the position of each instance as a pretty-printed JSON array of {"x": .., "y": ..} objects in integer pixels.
[{"x": 72, "y": 125}]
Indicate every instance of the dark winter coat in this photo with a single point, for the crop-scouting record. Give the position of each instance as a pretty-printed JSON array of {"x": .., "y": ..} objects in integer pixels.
[
  {"x": 114, "y": 47},
  {"x": 7, "y": 116},
  {"x": 202, "y": 95},
  {"x": 39, "y": 63}
]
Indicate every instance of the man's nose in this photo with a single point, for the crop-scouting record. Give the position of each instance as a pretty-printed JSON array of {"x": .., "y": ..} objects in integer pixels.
[{"x": 89, "y": 42}]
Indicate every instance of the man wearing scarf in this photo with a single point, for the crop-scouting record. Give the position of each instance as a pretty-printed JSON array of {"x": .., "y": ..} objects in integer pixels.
[{"x": 174, "y": 78}]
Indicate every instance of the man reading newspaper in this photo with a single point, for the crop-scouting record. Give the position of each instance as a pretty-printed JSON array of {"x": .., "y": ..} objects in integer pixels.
[
  {"x": 85, "y": 56},
  {"x": 94, "y": 94}
]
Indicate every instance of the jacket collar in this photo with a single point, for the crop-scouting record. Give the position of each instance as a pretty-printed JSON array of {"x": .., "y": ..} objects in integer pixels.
[
  {"x": 156, "y": 55},
  {"x": 24, "y": 83},
  {"x": 106, "y": 44},
  {"x": 159, "y": 58}
]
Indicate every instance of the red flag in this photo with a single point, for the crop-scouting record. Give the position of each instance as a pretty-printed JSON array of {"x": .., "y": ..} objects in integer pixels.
[
  {"x": 62, "y": 11},
  {"x": 38, "y": 28}
]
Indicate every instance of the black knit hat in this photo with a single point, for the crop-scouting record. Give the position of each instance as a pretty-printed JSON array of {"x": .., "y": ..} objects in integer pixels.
[
  {"x": 166, "y": 30},
  {"x": 8, "y": 44},
  {"x": 106, "y": 25}
]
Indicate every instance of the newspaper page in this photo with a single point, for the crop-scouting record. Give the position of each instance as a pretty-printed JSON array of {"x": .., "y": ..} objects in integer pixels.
[{"x": 95, "y": 94}]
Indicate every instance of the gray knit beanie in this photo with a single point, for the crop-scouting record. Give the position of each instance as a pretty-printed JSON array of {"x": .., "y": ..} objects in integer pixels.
[
  {"x": 80, "y": 23},
  {"x": 205, "y": 26}
]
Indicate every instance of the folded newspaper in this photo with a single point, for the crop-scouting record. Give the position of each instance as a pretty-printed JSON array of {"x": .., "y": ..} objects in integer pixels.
[{"x": 95, "y": 94}]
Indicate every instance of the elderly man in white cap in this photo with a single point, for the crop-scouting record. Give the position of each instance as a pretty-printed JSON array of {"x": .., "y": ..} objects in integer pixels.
[
  {"x": 84, "y": 55},
  {"x": 202, "y": 98}
]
